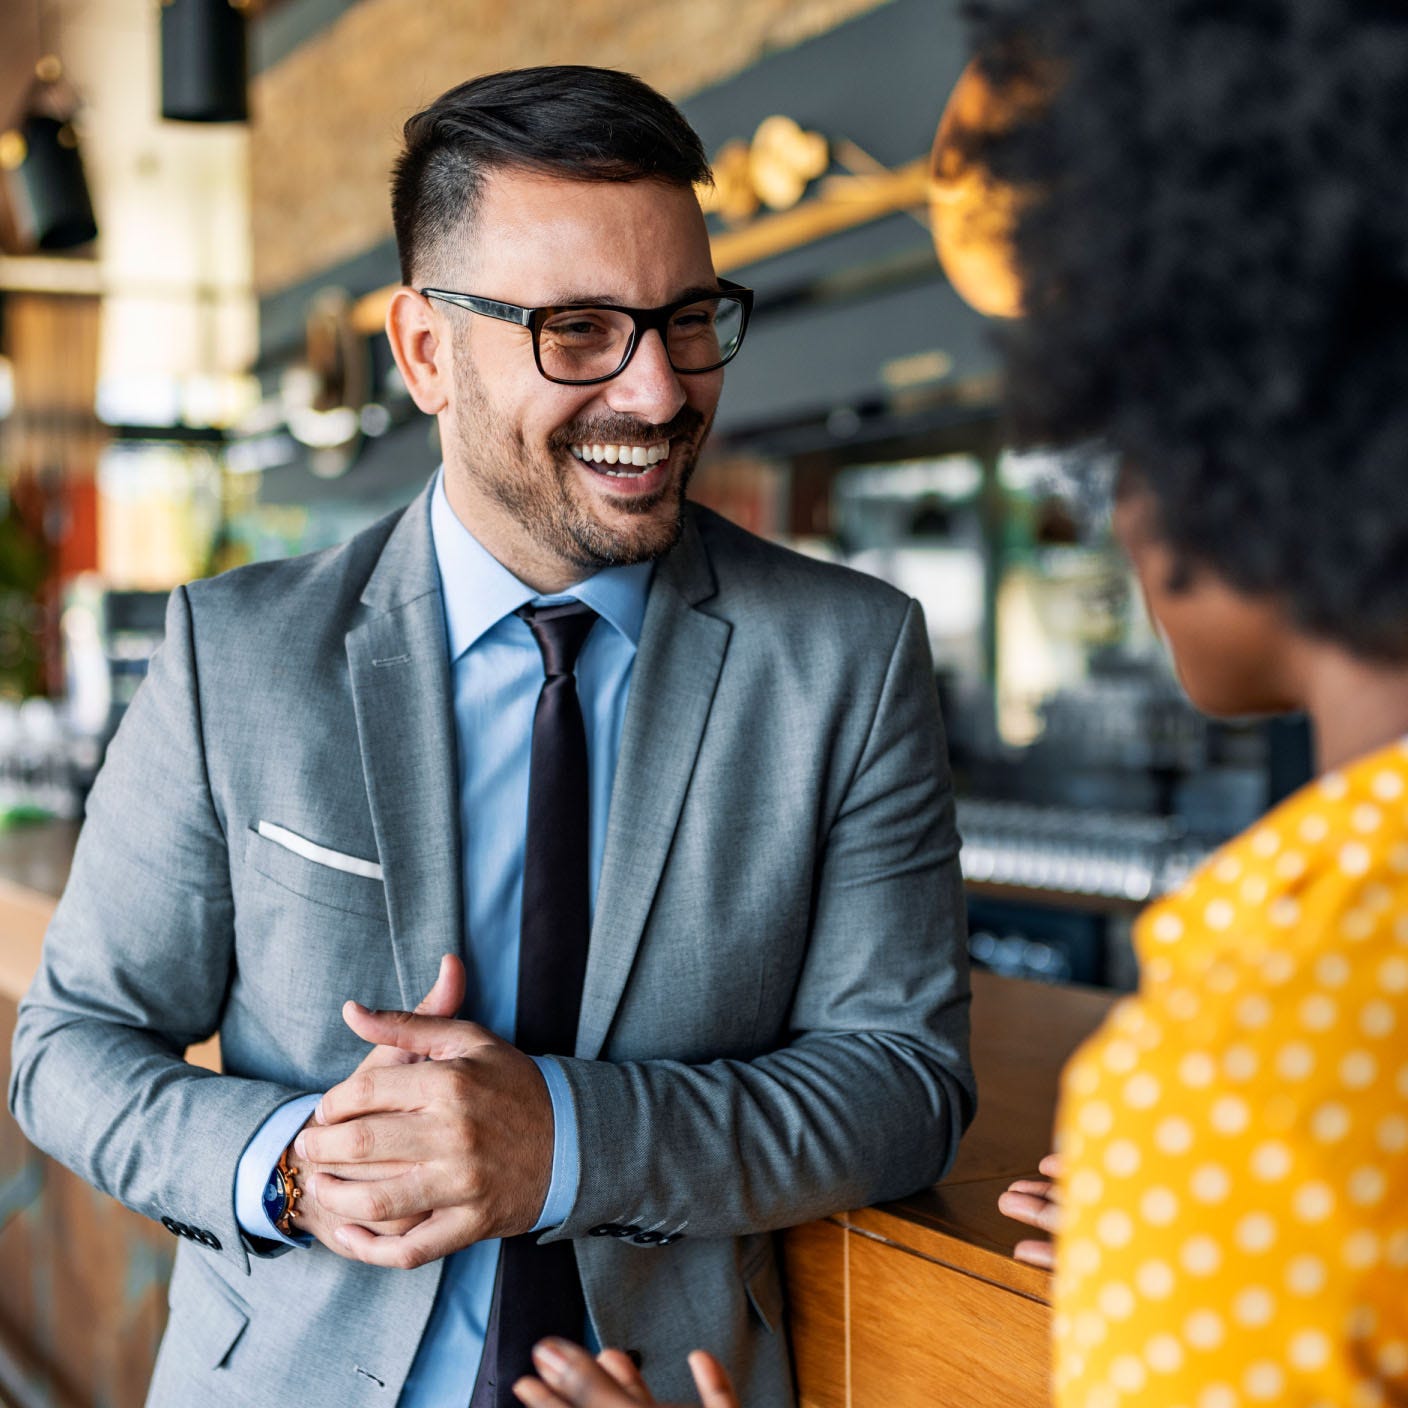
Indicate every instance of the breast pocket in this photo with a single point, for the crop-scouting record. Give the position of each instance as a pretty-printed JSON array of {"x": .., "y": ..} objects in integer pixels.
[{"x": 315, "y": 880}]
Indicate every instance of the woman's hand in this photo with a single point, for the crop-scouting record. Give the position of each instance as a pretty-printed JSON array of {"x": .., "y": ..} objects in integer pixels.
[
  {"x": 1037, "y": 1202},
  {"x": 571, "y": 1378}
]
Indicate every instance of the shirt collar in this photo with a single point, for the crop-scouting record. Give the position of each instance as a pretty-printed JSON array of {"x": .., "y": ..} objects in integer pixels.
[{"x": 479, "y": 591}]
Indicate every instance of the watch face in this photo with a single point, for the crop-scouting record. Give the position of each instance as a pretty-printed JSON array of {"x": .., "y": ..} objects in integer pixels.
[{"x": 275, "y": 1196}]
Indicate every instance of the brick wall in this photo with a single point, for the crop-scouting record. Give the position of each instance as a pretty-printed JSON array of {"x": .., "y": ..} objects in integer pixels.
[{"x": 326, "y": 119}]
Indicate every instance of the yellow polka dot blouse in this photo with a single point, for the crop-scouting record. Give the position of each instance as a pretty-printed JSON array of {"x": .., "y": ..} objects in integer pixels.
[{"x": 1236, "y": 1134}]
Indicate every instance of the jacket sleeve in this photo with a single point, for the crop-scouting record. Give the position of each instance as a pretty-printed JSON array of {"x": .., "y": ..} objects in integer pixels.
[
  {"x": 135, "y": 967},
  {"x": 868, "y": 1099}
]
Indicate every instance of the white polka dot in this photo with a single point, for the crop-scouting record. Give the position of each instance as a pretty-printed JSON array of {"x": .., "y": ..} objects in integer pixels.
[
  {"x": 1309, "y": 1350},
  {"x": 1376, "y": 897},
  {"x": 1200, "y": 1255},
  {"x": 1392, "y": 1134},
  {"x": 1219, "y": 915},
  {"x": 1081, "y": 1257},
  {"x": 1229, "y": 1115},
  {"x": 1284, "y": 913},
  {"x": 1318, "y": 1012},
  {"x": 1158, "y": 1207},
  {"x": 1174, "y": 1135},
  {"x": 1290, "y": 865},
  {"x": 1393, "y": 974},
  {"x": 1253, "y": 1307},
  {"x": 1330, "y": 1122},
  {"x": 1255, "y": 889},
  {"x": 1313, "y": 1202},
  {"x": 1387, "y": 786},
  {"x": 1365, "y": 1393},
  {"x": 1141, "y": 1091},
  {"x": 1197, "y": 1069},
  {"x": 1163, "y": 1354},
  {"x": 1333, "y": 786},
  {"x": 1166, "y": 928},
  {"x": 1083, "y": 1078},
  {"x": 1367, "y": 1186},
  {"x": 1265, "y": 842},
  {"x": 1240, "y": 1062},
  {"x": 1366, "y": 818},
  {"x": 1210, "y": 1183},
  {"x": 1313, "y": 829},
  {"x": 1102, "y": 1396},
  {"x": 1332, "y": 970},
  {"x": 1358, "y": 925},
  {"x": 1127, "y": 1373},
  {"x": 1114, "y": 1228},
  {"x": 1095, "y": 1118},
  {"x": 1396, "y": 1252},
  {"x": 1358, "y": 1070},
  {"x": 1305, "y": 1275},
  {"x": 1203, "y": 1329},
  {"x": 1360, "y": 1250},
  {"x": 1217, "y": 1396},
  {"x": 1295, "y": 1061},
  {"x": 1400, "y": 1081},
  {"x": 1355, "y": 858},
  {"x": 1155, "y": 1280},
  {"x": 1220, "y": 977},
  {"x": 1089, "y": 1329},
  {"x": 1377, "y": 1019},
  {"x": 1116, "y": 1300},
  {"x": 1254, "y": 1010},
  {"x": 1278, "y": 967},
  {"x": 1227, "y": 869},
  {"x": 1256, "y": 1232},
  {"x": 1398, "y": 858},
  {"x": 1271, "y": 1160},
  {"x": 1392, "y": 1359},
  {"x": 1264, "y": 1380},
  {"x": 1157, "y": 969},
  {"x": 1085, "y": 1187},
  {"x": 1183, "y": 1004},
  {"x": 1122, "y": 1158},
  {"x": 1120, "y": 1056},
  {"x": 1361, "y": 1322}
]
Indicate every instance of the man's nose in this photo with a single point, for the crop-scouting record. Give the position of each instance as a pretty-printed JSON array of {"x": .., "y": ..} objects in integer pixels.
[{"x": 649, "y": 388}]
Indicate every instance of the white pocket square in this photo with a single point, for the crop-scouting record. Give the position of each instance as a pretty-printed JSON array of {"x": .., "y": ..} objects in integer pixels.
[{"x": 319, "y": 855}]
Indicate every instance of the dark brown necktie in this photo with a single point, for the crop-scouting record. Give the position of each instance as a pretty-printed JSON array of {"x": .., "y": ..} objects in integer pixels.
[{"x": 538, "y": 1291}]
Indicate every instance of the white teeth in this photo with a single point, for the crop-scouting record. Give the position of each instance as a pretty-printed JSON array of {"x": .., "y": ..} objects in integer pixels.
[{"x": 637, "y": 456}]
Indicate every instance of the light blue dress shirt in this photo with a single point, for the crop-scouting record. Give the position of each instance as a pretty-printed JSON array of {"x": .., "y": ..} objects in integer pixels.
[{"x": 496, "y": 672}]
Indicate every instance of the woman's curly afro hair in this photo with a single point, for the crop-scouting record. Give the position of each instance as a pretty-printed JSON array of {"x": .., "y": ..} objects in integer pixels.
[{"x": 1215, "y": 274}]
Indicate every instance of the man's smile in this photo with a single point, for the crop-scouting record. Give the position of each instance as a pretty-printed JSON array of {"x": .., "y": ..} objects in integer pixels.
[{"x": 627, "y": 470}]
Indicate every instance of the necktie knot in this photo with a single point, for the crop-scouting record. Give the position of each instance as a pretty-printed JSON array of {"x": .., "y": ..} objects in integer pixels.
[{"x": 560, "y": 632}]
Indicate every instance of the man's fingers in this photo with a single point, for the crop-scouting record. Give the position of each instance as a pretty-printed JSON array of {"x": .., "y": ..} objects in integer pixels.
[
  {"x": 536, "y": 1394},
  {"x": 712, "y": 1380},
  {"x": 1035, "y": 1212},
  {"x": 1051, "y": 1166},
  {"x": 438, "y": 1038},
  {"x": 1034, "y": 1253},
  {"x": 1036, "y": 1188},
  {"x": 444, "y": 999},
  {"x": 441, "y": 1233},
  {"x": 570, "y": 1372},
  {"x": 618, "y": 1364},
  {"x": 388, "y": 1200},
  {"x": 389, "y": 1136}
]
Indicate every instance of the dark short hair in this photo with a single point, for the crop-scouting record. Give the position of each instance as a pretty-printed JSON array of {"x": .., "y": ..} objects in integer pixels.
[
  {"x": 1215, "y": 272},
  {"x": 568, "y": 120}
]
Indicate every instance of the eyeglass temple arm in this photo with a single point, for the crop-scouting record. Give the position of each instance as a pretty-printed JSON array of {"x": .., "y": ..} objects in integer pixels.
[{"x": 507, "y": 312}]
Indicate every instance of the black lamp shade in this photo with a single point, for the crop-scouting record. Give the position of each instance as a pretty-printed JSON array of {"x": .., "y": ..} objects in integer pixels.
[
  {"x": 204, "y": 68},
  {"x": 51, "y": 188}
]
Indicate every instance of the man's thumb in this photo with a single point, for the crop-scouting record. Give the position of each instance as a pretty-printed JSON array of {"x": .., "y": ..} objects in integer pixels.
[{"x": 447, "y": 996}]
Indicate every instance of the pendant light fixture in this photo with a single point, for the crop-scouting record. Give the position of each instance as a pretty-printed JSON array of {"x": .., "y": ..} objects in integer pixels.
[
  {"x": 204, "y": 61},
  {"x": 41, "y": 159}
]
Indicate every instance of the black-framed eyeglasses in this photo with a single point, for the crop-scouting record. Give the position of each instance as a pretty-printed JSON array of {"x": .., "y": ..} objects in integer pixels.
[{"x": 576, "y": 344}]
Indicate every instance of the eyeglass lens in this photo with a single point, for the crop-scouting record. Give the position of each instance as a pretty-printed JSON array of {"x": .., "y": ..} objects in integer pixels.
[{"x": 582, "y": 344}]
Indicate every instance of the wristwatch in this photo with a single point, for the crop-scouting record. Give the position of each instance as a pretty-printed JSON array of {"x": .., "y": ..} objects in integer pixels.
[{"x": 281, "y": 1195}]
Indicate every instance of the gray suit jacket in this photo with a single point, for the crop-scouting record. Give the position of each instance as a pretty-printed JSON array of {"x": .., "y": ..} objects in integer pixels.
[{"x": 774, "y": 1022}]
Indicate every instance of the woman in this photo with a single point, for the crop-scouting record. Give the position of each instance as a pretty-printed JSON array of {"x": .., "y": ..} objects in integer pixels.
[{"x": 1213, "y": 256}]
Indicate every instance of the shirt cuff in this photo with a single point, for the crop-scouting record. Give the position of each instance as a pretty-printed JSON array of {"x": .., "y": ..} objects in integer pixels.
[
  {"x": 566, "y": 1162},
  {"x": 257, "y": 1164}
]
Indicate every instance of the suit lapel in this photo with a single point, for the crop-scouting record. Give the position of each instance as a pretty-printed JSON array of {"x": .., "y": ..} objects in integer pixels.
[
  {"x": 405, "y": 725},
  {"x": 672, "y": 687}
]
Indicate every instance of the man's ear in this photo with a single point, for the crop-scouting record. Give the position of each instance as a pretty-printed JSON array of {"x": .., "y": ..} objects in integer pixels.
[{"x": 414, "y": 330}]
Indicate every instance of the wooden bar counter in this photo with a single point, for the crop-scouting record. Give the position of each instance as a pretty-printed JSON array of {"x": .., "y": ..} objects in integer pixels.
[{"x": 911, "y": 1304}]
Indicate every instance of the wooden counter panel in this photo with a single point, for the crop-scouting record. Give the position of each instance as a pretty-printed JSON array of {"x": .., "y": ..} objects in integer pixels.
[
  {"x": 923, "y": 1335},
  {"x": 815, "y": 1260}
]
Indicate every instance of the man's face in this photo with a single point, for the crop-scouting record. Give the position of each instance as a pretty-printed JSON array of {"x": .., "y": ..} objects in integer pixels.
[{"x": 510, "y": 433}]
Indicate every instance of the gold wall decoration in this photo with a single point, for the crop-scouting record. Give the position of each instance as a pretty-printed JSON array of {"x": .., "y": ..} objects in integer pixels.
[{"x": 774, "y": 170}]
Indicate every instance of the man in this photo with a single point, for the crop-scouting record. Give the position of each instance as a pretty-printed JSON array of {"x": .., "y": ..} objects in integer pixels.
[{"x": 344, "y": 768}]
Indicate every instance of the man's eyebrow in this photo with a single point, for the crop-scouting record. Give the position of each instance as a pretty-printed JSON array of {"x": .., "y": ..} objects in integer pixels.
[{"x": 607, "y": 300}]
